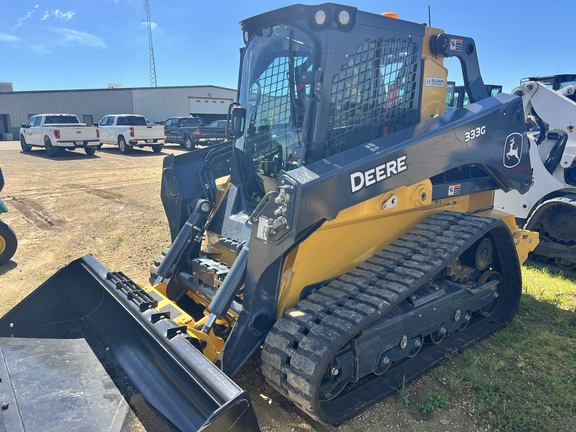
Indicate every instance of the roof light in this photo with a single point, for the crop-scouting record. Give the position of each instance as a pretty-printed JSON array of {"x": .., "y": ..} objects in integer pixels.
[
  {"x": 246, "y": 36},
  {"x": 320, "y": 17},
  {"x": 344, "y": 17},
  {"x": 390, "y": 15}
]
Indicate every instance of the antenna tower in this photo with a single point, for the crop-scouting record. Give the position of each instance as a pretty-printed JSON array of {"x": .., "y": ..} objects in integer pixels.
[{"x": 150, "y": 45}]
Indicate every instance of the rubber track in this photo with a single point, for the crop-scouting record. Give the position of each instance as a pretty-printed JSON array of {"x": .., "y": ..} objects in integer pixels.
[{"x": 302, "y": 343}]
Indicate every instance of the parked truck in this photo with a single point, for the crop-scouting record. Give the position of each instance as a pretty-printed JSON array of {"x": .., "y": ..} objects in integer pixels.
[
  {"x": 182, "y": 130},
  {"x": 58, "y": 131},
  {"x": 214, "y": 133},
  {"x": 130, "y": 130}
]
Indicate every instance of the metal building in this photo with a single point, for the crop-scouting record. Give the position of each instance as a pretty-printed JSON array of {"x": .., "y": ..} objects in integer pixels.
[{"x": 155, "y": 103}]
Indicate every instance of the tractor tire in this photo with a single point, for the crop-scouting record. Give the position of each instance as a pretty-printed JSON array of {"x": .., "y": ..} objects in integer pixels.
[{"x": 8, "y": 243}]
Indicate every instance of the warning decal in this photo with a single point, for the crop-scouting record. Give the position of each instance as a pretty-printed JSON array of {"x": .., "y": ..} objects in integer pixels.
[
  {"x": 456, "y": 44},
  {"x": 454, "y": 190}
]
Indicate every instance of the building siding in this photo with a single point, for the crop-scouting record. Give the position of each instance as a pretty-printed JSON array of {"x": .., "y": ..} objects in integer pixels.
[{"x": 155, "y": 103}]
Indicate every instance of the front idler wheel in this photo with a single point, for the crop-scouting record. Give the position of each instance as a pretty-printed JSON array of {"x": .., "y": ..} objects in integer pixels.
[{"x": 480, "y": 255}]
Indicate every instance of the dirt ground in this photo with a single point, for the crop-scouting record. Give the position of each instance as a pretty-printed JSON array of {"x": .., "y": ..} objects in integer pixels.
[{"x": 109, "y": 205}]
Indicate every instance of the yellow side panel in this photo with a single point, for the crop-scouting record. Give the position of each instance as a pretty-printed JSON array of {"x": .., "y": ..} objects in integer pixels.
[
  {"x": 435, "y": 76},
  {"x": 360, "y": 232}
]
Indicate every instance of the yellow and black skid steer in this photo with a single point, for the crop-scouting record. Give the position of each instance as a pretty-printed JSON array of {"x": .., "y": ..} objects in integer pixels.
[{"x": 346, "y": 234}]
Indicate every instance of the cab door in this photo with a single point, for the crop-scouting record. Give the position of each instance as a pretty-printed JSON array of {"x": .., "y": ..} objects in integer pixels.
[
  {"x": 104, "y": 128},
  {"x": 32, "y": 132},
  {"x": 169, "y": 130}
]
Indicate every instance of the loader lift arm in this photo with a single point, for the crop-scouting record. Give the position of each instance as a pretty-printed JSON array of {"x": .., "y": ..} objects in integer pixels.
[{"x": 464, "y": 49}]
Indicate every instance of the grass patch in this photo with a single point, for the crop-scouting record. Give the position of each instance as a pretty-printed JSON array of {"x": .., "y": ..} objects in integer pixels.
[
  {"x": 402, "y": 394},
  {"x": 435, "y": 401},
  {"x": 523, "y": 378}
]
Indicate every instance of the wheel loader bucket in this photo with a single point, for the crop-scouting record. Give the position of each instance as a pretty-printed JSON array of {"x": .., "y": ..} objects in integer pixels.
[{"x": 85, "y": 338}]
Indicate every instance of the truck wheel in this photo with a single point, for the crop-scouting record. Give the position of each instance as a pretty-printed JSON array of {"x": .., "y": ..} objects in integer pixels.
[
  {"x": 8, "y": 243},
  {"x": 51, "y": 151},
  {"x": 124, "y": 148},
  {"x": 157, "y": 148},
  {"x": 25, "y": 147},
  {"x": 189, "y": 144},
  {"x": 90, "y": 151}
]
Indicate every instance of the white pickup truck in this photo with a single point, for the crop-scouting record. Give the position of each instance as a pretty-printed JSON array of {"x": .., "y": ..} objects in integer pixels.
[
  {"x": 129, "y": 130},
  {"x": 58, "y": 131}
]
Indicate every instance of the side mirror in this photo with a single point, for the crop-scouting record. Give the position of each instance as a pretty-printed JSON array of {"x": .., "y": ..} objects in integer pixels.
[
  {"x": 237, "y": 120},
  {"x": 24, "y": 125},
  {"x": 95, "y": 124}
]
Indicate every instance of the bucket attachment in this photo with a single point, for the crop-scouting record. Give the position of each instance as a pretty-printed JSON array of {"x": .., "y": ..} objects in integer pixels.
[{"x": 86, "y": 328}]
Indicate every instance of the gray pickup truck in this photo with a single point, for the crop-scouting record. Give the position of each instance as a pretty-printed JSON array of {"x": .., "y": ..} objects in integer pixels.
[
  {"x": 191, "y": 131},
  {"x": 215, "y": 132}
]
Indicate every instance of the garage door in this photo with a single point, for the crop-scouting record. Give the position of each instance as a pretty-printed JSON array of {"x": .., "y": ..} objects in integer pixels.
[{"x": 208, "y": 106}]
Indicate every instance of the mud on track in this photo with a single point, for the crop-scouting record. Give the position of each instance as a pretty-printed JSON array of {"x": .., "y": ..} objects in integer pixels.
[{"x": 109, "y": 205}]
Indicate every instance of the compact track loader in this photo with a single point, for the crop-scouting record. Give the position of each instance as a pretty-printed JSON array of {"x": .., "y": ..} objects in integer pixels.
[
  {"x": 347, "y": 234},
  {"x": 549, "y": 207}
]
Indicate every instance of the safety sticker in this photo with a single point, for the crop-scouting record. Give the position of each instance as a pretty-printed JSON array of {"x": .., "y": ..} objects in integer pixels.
[
  {"x": 454, "y": 190},
  {"x": 456, "y": 44},
  {"x": 261, "y": 232},
  {"x": 434, "y": 82},
  {"x": 512, "y": 150}
]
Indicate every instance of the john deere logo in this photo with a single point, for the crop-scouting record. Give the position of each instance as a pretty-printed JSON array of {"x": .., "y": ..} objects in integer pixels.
[{"x": 513, "y": 150}]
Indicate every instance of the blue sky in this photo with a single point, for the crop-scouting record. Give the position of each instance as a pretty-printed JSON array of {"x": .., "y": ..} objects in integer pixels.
[{"x": 75, "y": 44}]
